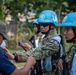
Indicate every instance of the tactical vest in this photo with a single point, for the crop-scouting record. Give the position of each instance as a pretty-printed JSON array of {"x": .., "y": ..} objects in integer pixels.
[
  {"x": 37, "y": 67},
  {"x": 73, "y": 69},
  {"x": 49, "y": 63}
]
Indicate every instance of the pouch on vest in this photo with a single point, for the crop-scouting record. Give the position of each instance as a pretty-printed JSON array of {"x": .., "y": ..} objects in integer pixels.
[
  {"x": 73, "y": 69},
  {"x": 48, "y": 60},
  {"x": 48, "y": 63}
]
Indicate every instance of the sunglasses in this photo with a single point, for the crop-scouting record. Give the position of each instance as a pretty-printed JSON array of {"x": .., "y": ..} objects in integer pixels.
[{"x": 44, "y": 24}]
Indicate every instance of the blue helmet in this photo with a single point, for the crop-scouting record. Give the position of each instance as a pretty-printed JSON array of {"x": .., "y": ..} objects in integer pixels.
[
  {"x": 37, "y": 25},
  {"x": 35, "y": 22},
  {"x": 48, "y": 16},
  {"x": 69, "y": 20}
]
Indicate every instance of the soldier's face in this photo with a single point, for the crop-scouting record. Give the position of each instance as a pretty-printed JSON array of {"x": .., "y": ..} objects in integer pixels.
[
  {"x": 44, "y": 28},
  {"x": 35, "y": 29},
  {"x": 68, "y": 32}
]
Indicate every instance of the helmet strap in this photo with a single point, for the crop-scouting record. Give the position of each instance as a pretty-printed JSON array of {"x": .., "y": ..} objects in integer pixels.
[{"x": 70, "y": 41}]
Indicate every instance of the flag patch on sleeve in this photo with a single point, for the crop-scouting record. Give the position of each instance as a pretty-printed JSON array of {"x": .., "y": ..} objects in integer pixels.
[{"x": 51, "y": 40}]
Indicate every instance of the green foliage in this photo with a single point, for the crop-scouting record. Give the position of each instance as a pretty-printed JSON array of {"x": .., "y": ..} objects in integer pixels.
[
  {"x": 67, "y": 46},
  {"x": 25, "y": 31},
  {"x": 36, "y": 6},
  {"x": 72, "y": 5},
  {"x": 15, "y": 6},
  {"x": 2, "y": 10},
  {"x": 65, "y": 4},
  {"x": 29, "y": 33}
]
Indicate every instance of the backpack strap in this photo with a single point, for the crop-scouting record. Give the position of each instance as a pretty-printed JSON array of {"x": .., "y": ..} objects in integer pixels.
[
  {"x": 58, "y": 39},
  {"x": 62, "y": 43}
]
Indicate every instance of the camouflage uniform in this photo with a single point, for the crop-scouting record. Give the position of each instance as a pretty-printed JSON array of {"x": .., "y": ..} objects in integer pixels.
[
  {"x": 38, "y": 37},
  {"x": 47, "y": 48},
  {"x": 70, "y": 55},
  {"x": 35, "y": 40}
]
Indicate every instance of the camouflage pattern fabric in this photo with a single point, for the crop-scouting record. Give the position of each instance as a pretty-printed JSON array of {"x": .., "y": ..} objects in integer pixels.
[
  {"x": 39, "y": 37},
  {"x": 36, "y": 39},
  {"x": 70, "y": 55},
  {"x": 47, "y": 48}
]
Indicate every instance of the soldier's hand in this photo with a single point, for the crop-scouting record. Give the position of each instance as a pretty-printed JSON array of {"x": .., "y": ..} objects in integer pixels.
[
  {"x": 28, "y": 46},
  {"x": 31, "y": 60},
  {"x": 60, "y": 64},
  {"x": 8, "y": 53}
]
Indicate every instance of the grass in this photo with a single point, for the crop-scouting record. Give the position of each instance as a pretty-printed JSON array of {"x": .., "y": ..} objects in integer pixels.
[{"x": 19, "y": 65}]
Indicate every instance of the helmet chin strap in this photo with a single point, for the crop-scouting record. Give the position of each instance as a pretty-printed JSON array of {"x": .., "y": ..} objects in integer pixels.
[{"x": 70, "y": 41}]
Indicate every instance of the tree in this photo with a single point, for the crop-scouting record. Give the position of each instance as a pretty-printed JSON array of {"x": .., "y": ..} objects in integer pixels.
[
  {"x": 2, "y": 10},
  {"x": 61, "y": 7}
]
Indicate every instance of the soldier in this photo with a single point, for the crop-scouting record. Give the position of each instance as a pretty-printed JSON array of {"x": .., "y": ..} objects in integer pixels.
[
  {"x": 38, "y": 35},
  {"x": 69, "y": 22},
  {"x": 35, "y": 39},
  {"x": 50, "y": 44},
  {"x": 6, "y": 66}
]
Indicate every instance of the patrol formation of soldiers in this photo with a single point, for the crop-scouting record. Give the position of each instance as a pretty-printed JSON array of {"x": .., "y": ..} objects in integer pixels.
[{"x": 50, "y": 50}]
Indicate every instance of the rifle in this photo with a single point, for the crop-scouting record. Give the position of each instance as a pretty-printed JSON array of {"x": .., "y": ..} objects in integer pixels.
[
  {"x": 37, "y": 66},
  {"x": 23, "y": 40},
  {"x": 65, "y": 65}
]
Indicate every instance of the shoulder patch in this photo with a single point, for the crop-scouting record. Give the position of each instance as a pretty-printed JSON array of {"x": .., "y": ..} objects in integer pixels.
[{"x": 51, "y": 40}]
